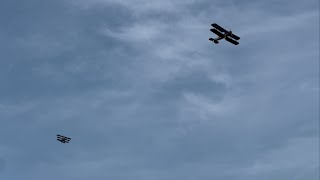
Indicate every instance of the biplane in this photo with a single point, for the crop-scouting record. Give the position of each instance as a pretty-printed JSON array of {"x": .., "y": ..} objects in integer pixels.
[
  {"x": 63, "y": 139},
  {"x": 223, "y": 34}
]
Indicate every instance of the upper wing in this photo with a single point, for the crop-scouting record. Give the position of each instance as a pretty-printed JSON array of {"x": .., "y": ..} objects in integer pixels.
[
  {"x": 218, "y": 27},
  {"x": 235, "y": 36},
  {"x": 217, "y": 32},
  {"x": 232, "y": 41}
]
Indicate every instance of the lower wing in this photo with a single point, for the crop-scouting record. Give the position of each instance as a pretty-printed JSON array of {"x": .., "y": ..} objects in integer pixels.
[
  {"x": 232, "y": 41},
  {"x": 235, "y": 37}
]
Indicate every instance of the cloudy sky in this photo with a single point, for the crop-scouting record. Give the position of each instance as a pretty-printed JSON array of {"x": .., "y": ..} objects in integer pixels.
[{"x": 145, "y": 96}]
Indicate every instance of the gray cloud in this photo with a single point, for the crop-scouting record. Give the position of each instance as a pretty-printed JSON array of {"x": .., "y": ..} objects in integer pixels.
[{"x": 144, "y": 95}]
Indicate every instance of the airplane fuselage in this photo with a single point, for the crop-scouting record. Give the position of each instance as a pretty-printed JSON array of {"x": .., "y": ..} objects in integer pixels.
[{"x": 224, "y": 36}]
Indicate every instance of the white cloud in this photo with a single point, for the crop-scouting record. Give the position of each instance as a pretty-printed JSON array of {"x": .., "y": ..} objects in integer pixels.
[
  {"x": 139, "y": 32},
  {"x": 206, "y": 109},
  {"x": 276, "y": 24}
]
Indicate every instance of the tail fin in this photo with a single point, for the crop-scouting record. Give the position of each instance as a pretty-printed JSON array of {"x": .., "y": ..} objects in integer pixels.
[{"x": 215, "y": 41}]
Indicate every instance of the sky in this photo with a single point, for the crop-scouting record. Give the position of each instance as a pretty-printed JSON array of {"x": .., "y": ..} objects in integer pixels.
[{"x": 144, "y": 95}]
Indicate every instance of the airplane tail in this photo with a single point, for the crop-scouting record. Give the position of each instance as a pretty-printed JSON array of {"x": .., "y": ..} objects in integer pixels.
[{"x": 215, "y": 41}]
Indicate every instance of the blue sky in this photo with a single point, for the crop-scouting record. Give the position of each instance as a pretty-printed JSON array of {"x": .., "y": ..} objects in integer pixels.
[{"x": 144, "y": 95}]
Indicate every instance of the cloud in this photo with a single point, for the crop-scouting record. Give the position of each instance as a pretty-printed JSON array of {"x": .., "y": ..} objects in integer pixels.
[
  {"x": 288, "y": 158},
  {"x": 139, "y": 6},
  {"x": 137, "y": 33},
  {"x": 144, "y": 95},
  {"x": 276, "y": 24}
]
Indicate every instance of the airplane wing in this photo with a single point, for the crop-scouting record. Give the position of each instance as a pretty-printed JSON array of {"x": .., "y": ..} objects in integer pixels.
[
  {"x": 232, "y": 41},
  {"x": 235, "y": 36},
  {"x": 218, "y": 27},
  {"x": 217, "y": 32}
]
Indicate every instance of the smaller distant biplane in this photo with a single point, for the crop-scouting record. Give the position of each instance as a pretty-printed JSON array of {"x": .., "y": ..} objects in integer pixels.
[
  {"x": 63, "y": 139},
  {"x": 223, "y": 34}
]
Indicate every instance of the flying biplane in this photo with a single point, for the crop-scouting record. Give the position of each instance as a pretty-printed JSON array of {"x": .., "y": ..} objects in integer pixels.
[
  {"x": 63, "y": 139},
  {"x": 223, "y": 34}
]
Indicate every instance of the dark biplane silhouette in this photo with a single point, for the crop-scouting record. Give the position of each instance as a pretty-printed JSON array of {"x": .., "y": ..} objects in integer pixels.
[
  {"x": 223, "y": 34},
  {"x": 63, "y": 139}
]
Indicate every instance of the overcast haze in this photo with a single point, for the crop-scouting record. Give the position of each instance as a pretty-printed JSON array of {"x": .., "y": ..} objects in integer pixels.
[{"x": 145, "y": 96}]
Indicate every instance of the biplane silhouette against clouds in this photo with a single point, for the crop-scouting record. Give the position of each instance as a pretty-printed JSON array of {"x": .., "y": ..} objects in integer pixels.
[
  {"x": 223, "y": 34},
  {"x": 135, "y": 90},
  {"x": 63, "y": 139}
]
